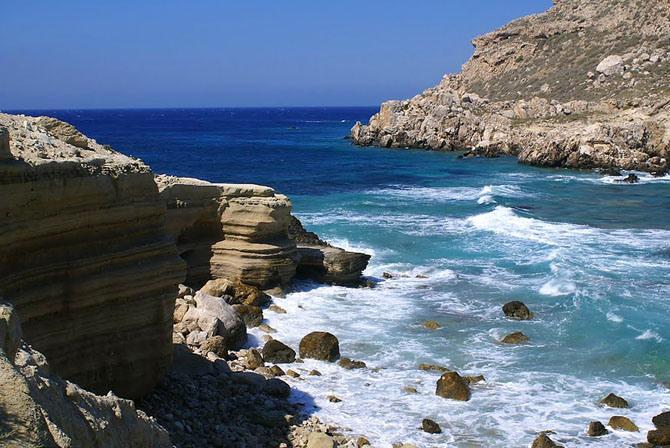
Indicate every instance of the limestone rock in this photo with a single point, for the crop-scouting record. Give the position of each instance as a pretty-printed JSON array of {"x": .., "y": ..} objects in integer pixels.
[
  {"x": 226, "y": 231},
  {"x": 622, "y": 423},
  {"x": 517, "y": 310},
  {"x": 214, "y": 316},
  {"x": 5, "y": 153},
  {"x": 361, "y": 442},
  {"x": 451, "y": 385},
  {"x": 253, "y": 359},
  {"x": 529, "y": 91},
  {"x": 85, "y": 258},
  {"x": 332, "y": 265},
  {"x": 320, "y": 440},
  {"x": 433, "y": 368},
  {"x": 610, "y": 65},
  {"x": 596, "y": 429},
  {"x": 614, "y": 401},
  {"x": 431, "y": 325},
  {"x": 320, "y": 345},
  {"x": 277, "y": 352}
]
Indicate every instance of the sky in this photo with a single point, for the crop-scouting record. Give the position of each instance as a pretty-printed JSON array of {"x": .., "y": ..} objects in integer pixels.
[{"x": 221, "y": 53}]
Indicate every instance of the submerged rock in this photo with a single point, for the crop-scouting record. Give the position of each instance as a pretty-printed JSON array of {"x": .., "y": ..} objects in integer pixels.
[
  {"x": 431, "y": 325},
  {"x": 622, "y": 423},
  {"x": 614, "y": 401},
  {"x": 350, "y": 364},
  {"x": 430, "y": 426},
  {"x": 630, "y": 179},
  {"x": 251, "y": 315},
  {"x": 597, "y": 429},
  {"x": 320, "y": 345},
  {"x": 433, "y": 368},
  {"x": 451, "y": 385},
  {"x": 517, "y": 310},
  {"x": 515, "y": 338}
]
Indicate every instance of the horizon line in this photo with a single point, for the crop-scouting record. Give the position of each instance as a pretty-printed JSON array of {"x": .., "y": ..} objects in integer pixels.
[{"x": 14, "y": 110}]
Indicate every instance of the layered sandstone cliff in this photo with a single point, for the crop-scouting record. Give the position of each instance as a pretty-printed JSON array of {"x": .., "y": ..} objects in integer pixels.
[
  {"x": 39, "y": 409},
  {"x": 584, "y": 85},
  {"x": 84, "y": 256}
]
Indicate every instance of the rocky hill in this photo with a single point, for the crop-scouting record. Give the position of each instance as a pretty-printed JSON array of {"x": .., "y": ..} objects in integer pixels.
[{"x": 584, "y": 85}]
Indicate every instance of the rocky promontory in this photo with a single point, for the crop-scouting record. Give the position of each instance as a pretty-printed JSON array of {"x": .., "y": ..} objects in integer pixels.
[
  {"x": 95, "y": 250},
  {"x": 584, "y": 85}
]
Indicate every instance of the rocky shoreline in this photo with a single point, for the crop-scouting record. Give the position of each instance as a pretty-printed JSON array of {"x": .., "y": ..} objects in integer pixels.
[{"x": 584, "y": 85}]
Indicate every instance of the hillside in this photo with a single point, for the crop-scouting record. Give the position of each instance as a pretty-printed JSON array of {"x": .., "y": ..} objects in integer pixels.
[{"x": 583, "y": 85}]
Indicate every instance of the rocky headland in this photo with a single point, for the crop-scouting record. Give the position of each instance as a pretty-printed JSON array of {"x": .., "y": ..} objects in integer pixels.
[
  {"x": 584, "y": 85},
  {"x": 96, "y": 254}
]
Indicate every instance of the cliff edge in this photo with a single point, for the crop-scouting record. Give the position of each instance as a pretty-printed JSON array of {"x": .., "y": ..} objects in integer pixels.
[{"x": 584, "y": 85}]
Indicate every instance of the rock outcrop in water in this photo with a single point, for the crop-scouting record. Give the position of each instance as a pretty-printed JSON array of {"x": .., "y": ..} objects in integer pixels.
[
  {"x": 584, "y": 85},
  {"x": 84, "y": 256}
]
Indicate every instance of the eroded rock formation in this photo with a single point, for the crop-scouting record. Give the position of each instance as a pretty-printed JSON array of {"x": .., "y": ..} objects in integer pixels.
[
  {"x": 238, "y": 232},
  {"x": 583, "y": 85},
  {"x": 39, "y": 409},
  {"x": 84, "y": 256}
]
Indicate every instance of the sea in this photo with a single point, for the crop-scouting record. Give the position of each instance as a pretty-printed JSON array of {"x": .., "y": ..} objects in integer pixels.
[{"x": 589, "y": 256}]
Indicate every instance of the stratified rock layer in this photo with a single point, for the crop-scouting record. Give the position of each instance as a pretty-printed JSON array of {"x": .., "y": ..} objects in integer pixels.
[
  {"x": 84, "y": 256},
  {"x": 237, "y": 232},
  {"x": 39, "y": 409},
  {"x": 583, "y": 85}
]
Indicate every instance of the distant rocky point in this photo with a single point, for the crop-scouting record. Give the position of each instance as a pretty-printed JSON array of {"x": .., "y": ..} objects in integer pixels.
[{"x": 584, "y": 85}]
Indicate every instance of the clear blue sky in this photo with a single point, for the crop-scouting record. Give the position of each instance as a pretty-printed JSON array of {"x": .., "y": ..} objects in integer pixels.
[{"x": 197, "y": 53}]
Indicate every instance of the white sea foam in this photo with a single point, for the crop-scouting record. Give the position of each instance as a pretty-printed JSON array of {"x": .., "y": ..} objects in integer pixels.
[
  {"x": 614, "y": 317},
  {"x": 649, "y": 334},
  {"x": 558, "y": 287},
  {"x": 483, "y": 195}
]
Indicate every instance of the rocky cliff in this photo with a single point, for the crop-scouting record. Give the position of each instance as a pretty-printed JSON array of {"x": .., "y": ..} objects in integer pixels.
[
  {"x": 84, "y": 256},
  {"x": 584, "y": 85},
  {"x": 39, "y": 409}
]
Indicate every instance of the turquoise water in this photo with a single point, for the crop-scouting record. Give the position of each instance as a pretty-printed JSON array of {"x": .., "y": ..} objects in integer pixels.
[{"x": 591, "y": 258}]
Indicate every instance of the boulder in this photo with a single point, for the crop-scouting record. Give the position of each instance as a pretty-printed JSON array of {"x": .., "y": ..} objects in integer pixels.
[
  {"x": 431, "y": 325},
  {"x": 430, "y": 426},
  {"x": 350, "y": 364},
  {"x": 217, "y": 345},
  {"x": 292, "y": 373},
  {"x": 331, "y": 265},
  {"x": 277, "y": 388},
  {"x": 622, "y": 423},
  {"x": 277, "y": 352},
  {"x": 333, "y": 399},
  {"x": 251, "y": 315},
  {"x": 610, "y": 65},
  {"x": 277, "y": 371},
  {"x": 451, "y": 385},
  {"x": 184, "y": 291},
  {"x": 215, "y": 317},
  {"x": 659, "y": 437},
  {"x": 543, "y": 441},
  {"x": 361, "y": 442},
  {"x": 473, "y": 379},
  {"x": 320, "y": 440},
  {"x": 314, "y": 372},
  {"x": 253, "y": 359},
  {"x": 662, "y": 420},
  {"x": 596, "y": 429},
  {"x": 320, "y": 345},
  {"x": 515, "y": 338},
  {"x": 517, "y": 310},
  {"x": 614, "y": 401}
]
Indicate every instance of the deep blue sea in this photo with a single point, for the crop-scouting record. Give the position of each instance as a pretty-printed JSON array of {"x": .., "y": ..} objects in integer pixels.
[{"x": 590, "y": 257}]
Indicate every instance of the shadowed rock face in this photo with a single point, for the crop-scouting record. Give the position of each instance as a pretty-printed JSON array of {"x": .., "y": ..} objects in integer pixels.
[
  {"x": 84, "y": 257},
  {"x": 583, "y": 85}
]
